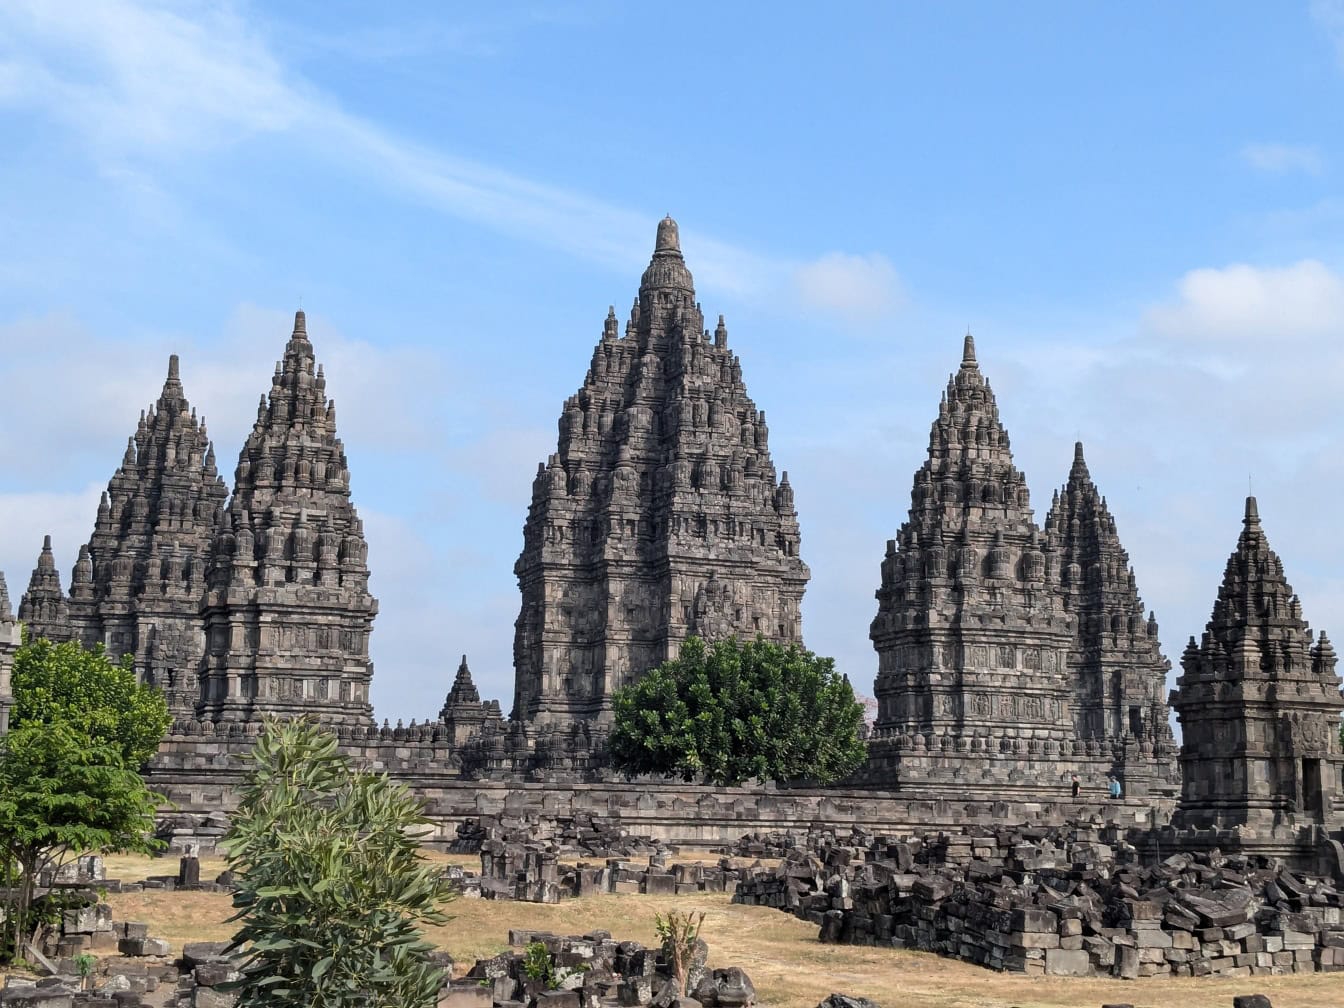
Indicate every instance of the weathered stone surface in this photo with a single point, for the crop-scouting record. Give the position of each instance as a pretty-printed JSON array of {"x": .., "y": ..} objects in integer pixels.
[
  {"x": 994, "y": 638},
  {"x": 43, "y": 608},
  {"x": 288, "y": 611},
  {"x": 1259, "y": 704},
  {"x": 1118, "y": 674},
  {"x": 659, "y": 516},
  {"x": 137, "y": 584}
]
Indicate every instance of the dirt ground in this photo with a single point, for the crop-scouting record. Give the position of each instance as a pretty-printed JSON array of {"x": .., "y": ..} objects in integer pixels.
[{"x": 789, "y": 967}]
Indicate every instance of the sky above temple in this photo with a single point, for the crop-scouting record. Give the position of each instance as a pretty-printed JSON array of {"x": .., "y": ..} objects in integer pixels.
[{"x": 1136, "y": 208}]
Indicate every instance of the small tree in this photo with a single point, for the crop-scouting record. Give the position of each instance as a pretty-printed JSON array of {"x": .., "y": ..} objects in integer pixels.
[
  {"x": 64, "y": 683},
  {"x": 62, "y": 794},
  {"x": 332, "y": 884},
  {"x": 734, "y": 711},
  {"x": 679, "y": 932}
]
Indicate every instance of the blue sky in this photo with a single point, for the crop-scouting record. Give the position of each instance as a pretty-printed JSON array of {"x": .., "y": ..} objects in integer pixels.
[{"x": 1136, "y": 208}]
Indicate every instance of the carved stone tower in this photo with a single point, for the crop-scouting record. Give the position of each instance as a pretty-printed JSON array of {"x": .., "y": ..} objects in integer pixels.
[
  {"x": 288, "y": 611},
  {"x": 1259, "y": 704},
  {"x": 972, "y": 633},
  {"x": 1118, "y": 672},
  {"x": 137, "y": 585},
  {"x": 43, "y": 607},
  {"x": 464, "y": 714},
  {"x": 9, "y": 643},
  {"x": 658, "y": 517}
]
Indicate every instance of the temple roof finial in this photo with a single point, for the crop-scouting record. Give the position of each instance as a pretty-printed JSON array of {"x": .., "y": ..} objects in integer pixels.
[
  {"x": 968, "y": 349},
  {"x": 300, "y": 325},
  {"x": 669, "y": 239},
  {"x": 1252, "y": 512},
  {"x": 172, "y": 368}
]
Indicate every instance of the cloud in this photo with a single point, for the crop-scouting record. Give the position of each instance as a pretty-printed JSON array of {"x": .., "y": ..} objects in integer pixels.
[
  {"x": 1243, "y": 304},
  {"x": 859, "y": 287},
  {"x": 1329, "y": 17},
  {"x": 1280, "y": 158},
  {"x": 142, "y": 83}
]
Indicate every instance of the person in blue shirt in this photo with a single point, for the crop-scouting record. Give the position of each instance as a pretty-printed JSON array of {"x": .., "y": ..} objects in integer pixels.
[{"x": 1114, "y": 786}]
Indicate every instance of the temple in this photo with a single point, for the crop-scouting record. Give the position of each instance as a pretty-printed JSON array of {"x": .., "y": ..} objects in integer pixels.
[
  {"x": 660, "y": 514},
  {"x": 136, "y": 587},
  {"x": 287, "y": 611},
  {"x": 1006, "y": 653},
  {"x": 1012, "y": 657},
  {"x": 1259, "y": 705}
]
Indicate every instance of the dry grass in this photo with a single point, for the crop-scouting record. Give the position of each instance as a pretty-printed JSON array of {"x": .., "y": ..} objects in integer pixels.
[{"x": 789, "y": 967}]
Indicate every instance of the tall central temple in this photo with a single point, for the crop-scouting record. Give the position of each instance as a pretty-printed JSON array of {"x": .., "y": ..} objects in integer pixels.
[{"x": 659, "y": 516}]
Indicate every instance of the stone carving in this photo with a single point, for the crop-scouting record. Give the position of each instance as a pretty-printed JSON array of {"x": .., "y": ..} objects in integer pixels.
[
  {"x": 463, "y": 713},
  {"x": 1259, "y": 704},
  {"x": 1119, "y": 675},
  {"x": 659, "y": 516},
  {"x": 136, "y": 587},
  {"x": 44, "y": 608},
  {"x": 289, "y": 554},
  {"x": 971, "y": 574}
]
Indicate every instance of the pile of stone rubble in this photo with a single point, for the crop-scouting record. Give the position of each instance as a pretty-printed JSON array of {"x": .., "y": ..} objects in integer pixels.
[
  {"x": 511, "y": 871},
  {"x": 1072, "y": 901},
  {"x": 593, "y": 970},
  {"x": 582, "y": 833}
]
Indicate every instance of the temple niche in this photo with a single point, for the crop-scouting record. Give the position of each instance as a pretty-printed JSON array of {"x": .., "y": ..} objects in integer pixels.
[
  {"x": 659, "y": 516},
  {"x": 1259, "y": 705}
]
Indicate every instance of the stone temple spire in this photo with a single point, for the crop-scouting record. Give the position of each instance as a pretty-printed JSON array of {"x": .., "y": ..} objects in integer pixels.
[
  {"x": 659, "y": 516},
  {"x": 1259, "y": 704},
  {"x": 288, "y": 611},
  {"x": 137, "y": 585},
  {"x": 9, "y": 643},
  {"x": 972, "y": 633},
  {"x": 463, "y": 713},
  {"x": 43, "y": 608},
  {"x": 1119, "y": 672}
]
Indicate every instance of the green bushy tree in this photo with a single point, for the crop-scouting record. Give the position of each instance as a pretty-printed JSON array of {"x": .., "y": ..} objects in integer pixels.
[
  {"x": 737, "y": 710},
  {"x": 80, "y": 730},
  {"x": 66, "y": 684},
  {"x": 332, "y": 885},
  {"x": 61, "y": 795}
]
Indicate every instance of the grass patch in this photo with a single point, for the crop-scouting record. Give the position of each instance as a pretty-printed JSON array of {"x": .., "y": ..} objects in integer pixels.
[{"x": 789, "y": 967}]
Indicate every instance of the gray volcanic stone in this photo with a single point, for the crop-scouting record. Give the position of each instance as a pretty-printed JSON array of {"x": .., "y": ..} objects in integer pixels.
[
  {"x": 1259, "y": 703},
  {"x": 659, "y": 516}
]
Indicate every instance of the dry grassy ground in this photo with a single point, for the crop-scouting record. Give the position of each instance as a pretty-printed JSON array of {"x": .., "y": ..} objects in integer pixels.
[{"x": 790, "y": 968}]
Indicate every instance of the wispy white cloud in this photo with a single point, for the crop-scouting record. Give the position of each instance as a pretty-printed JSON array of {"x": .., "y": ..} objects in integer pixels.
[
  {"x": 1283, "y": 158},
  {"x": 143, "y": 82},
  {"x": 1243, "y": 303},
  {"x": 857, "y": 287}
]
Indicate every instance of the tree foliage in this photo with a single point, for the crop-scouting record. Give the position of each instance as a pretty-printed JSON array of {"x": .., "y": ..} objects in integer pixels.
[
  {"x": 737, "y": 710},
  {"x": 332, "y": 885},
  {"x": 63, "y": 794},
  {"x": 65, "y": 684}
]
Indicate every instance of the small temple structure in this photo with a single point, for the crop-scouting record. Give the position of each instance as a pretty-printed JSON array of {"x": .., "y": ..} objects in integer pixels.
[{"x": 1259, "y": 705}]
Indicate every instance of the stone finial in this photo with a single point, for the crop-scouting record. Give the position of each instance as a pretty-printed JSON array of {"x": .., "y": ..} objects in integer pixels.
[
  {"x": 968, "y": 350},
  {"x": 300, "y": 325},
  {"x": 669, "y": 239},
  {"x": 1252, "y": 513},
  {"x": 4, "y": 599}
]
